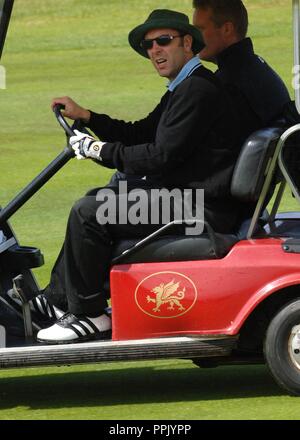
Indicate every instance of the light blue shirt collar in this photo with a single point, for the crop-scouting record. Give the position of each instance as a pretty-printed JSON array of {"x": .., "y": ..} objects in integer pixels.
[{"x": 186, "y": 71}]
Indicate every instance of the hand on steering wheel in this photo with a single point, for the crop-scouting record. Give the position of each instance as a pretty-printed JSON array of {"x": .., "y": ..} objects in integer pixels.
[{"x": 72, "y": 110}]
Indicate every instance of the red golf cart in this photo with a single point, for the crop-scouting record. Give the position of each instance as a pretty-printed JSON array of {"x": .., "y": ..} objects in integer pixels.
[{"x": 215, "y": 298}]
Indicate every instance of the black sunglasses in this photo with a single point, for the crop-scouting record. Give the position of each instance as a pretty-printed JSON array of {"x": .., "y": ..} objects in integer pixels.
[{"x": 163, "y": 40}]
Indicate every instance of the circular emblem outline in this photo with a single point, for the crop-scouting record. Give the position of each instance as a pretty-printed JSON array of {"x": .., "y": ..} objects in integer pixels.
[{"x": 165, "y": 317}]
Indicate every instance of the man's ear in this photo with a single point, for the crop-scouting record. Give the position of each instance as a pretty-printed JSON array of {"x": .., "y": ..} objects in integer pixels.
[
  {"x": 188, "y": 42},
  {"x": 228, "y": 29}
]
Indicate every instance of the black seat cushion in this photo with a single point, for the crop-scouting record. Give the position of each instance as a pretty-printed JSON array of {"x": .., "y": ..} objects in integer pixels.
[{"x": 176, "y": 248}]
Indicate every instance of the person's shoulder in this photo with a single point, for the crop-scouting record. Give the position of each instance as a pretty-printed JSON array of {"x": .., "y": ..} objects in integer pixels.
[
  {"x": 203, "y": 72},
  {"x": 201, "y": 80}
]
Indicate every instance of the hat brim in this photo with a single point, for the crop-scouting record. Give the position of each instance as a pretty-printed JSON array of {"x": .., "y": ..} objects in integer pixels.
[{"x": 137, "y": 34}]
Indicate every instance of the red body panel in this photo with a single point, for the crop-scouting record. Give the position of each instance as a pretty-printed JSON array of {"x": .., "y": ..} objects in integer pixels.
[{"x": 210, "y": 297}]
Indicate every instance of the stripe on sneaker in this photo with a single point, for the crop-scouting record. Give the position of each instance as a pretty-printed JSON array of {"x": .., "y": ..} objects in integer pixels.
[
  {"x": 50, "y": 310},
  {"x": 87, "y": 326},
  {"x": 73, "y": 328},
  {"x": 81, "y": 326},
  {"x": 87, "y": 322},
  {"x": 80, "y": 329},
  {"x": 40, "y": 304}
]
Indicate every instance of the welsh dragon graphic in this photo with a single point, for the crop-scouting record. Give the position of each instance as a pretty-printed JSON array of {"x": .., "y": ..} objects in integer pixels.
[{"x": 167, "y": 294}]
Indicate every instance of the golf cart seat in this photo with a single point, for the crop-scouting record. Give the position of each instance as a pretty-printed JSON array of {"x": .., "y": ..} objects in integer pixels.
[{"x": 252, "y": 175}]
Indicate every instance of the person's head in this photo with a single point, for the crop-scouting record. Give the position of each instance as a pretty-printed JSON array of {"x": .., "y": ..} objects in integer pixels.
[
  {"x": 168, "y": 39},
  {"x": 221, "y": 22}
]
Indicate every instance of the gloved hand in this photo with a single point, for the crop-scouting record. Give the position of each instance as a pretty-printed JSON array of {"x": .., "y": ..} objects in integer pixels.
[{"x": 86, "y": 146}]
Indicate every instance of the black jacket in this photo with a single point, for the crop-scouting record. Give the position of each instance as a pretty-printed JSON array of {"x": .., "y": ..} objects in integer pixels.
[
  {"x": 259, "y": 96},
  {"x": 191, "y": 139},
  {"x": 258, "y": 93}
]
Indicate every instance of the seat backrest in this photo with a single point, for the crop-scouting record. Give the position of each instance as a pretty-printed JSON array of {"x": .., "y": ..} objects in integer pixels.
[
  {"x": 253, "y": 164},
  {"x": 255, "y": 177}
]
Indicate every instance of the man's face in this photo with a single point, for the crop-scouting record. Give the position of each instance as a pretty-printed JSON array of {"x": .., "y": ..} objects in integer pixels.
[
  {"x": 168, "y": 60},
  {"x": 213, "y": 36}
]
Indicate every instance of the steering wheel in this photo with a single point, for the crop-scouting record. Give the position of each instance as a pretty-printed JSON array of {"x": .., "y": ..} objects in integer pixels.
[
  {"x": 77, "y": 125},
  {"x": 61, "y": 120},
  {"x": 45, "y": 175}
]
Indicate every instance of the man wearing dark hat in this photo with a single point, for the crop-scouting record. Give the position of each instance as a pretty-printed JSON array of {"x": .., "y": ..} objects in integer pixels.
[{"x": 189, "y": 141}]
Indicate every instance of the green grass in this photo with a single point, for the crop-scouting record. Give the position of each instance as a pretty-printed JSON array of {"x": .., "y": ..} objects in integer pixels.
[
  {"x": 80, "y": 49},
  {"x": 144, "y": 390}
]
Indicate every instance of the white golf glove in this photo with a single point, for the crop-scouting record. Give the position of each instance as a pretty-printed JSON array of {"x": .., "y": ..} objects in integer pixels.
[{"x": 86, "y": 146}]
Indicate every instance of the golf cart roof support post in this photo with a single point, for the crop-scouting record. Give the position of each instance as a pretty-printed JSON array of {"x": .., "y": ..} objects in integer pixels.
[
  {"x": 36, "y": 184},
  {"x": 296, "y": 26},
  {"x": 289, "y": 132},
  {"x": 5, "y": 13}
]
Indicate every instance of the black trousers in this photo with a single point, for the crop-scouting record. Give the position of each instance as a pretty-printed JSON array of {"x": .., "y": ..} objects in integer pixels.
[{"x": 82, "y": 268}]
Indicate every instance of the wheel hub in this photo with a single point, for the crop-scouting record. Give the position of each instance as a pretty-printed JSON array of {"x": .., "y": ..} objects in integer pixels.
[{"x": 294, "y": 346}]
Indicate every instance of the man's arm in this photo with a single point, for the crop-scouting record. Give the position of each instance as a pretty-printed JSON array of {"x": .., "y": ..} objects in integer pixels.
[
  {"x": 129, "y": 133},
  {"x": 183, "y": 125},
  {"x": 112, "y": 130}
]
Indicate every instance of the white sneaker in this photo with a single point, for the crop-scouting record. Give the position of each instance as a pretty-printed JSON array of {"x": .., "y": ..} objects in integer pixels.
[{"x": 69, "y": 329}]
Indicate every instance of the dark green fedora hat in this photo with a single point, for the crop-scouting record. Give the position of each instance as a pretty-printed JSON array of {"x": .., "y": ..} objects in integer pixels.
[{"x": 164, "y": 18}]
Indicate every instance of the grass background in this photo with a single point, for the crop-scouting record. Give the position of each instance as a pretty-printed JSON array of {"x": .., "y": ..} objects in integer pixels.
[{"x": 80, "y": 49}]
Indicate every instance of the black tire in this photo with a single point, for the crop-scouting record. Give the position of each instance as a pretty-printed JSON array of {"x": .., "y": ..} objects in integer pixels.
[{"x": 280, "y": 347}]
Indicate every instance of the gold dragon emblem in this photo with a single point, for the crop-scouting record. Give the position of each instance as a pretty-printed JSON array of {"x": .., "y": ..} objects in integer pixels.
[{"x": 166, "y": 295}]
